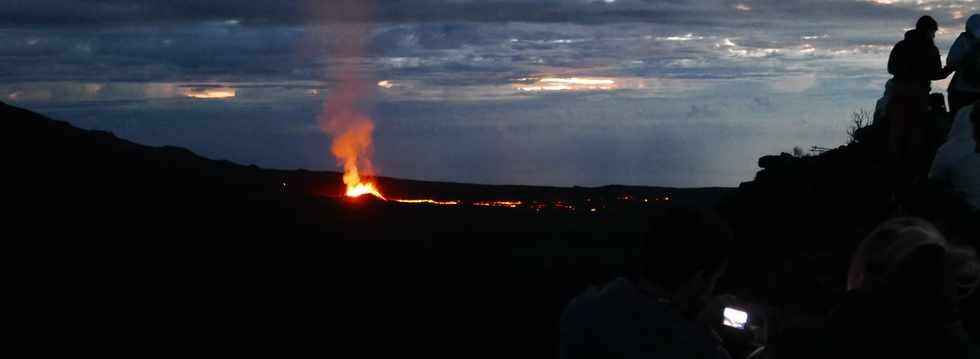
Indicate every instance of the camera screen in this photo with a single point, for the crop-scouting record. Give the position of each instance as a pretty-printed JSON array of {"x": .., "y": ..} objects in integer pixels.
[{"x": 735, "y": 318}]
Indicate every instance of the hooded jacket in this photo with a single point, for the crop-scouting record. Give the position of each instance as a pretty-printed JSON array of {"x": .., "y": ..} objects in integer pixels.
[
  {"x": 957, "y": 53},
  {"x": 957, "y": 164},
  {"x": 915, "y": 60}
]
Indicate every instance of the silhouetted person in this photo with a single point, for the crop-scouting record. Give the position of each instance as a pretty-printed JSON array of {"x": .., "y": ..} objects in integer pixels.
[
  {"x": 957, "y": 163},
  {"x": 881, "y": 106},
  {"x": 964, "y": 58},
  {"x": 654, "y": 314},
  {"x": 901, "y": 301},
  {"x": 914, "y": 62}
]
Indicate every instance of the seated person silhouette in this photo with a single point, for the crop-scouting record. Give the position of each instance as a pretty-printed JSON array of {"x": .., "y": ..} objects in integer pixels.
[
  {"x": 653, "y": 314},
  {"x": 902, "y": 299}
]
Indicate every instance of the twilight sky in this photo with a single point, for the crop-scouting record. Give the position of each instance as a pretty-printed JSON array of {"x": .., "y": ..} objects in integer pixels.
[{"x": 553, "y": 92}]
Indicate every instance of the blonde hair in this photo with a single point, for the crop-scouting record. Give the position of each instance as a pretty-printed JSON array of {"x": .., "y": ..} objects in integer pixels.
[{"x": 882, "y": 251}]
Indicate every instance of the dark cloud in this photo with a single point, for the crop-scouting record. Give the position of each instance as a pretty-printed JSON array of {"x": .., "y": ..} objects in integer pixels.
[
  {"x": 190, "y": 53},
  {"x": 438, "y": 41},
  {"x": 62, "y": 13}
]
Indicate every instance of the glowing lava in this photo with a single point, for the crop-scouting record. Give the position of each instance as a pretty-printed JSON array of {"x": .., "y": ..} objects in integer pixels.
[
  {"x": 363, "y": 188},
  {"x": 351, "y": 146},
  {"x": 508, "y": 204},
  {"x": 428, "y": 201},
  {"x": 344, "y": 117}
]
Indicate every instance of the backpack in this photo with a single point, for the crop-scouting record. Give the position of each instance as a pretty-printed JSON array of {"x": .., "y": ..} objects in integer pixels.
[{"x": 969, "y": 69}]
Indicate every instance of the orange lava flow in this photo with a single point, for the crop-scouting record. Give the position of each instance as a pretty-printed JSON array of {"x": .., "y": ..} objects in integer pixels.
[
  {"x": 509, "y": 204},
  {"x": 360, "y": 189},
  {"x": 352, "y": 178},
  {"x": 428, "y": 201}
]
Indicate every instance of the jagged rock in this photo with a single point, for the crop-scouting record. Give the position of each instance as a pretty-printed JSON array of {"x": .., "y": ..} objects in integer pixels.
[{"x": 782, "y": 160}]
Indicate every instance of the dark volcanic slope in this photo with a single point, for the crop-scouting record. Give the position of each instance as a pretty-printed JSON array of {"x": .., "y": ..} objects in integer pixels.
[{"x": 127, "y": 250}]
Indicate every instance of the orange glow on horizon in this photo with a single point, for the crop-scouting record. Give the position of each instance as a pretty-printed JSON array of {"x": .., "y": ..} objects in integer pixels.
[
  {"x": 584, "y": 205},
  {"x": 211, "y": 93},
  {"x": 428, "y": 201},
  {"x": 508, "y": 204}
]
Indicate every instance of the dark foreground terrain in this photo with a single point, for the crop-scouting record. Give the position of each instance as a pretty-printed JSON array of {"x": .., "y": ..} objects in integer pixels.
[{"x": 123, "y": 250}]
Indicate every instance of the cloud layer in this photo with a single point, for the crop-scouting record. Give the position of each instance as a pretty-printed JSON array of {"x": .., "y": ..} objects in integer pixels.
[
  {"x": 593, "y": 72},
  {"x": 66, "y": 13}
]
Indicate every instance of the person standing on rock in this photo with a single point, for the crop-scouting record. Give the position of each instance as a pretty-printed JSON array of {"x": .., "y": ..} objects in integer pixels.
[
  {"x": 964, "y": 57},
  {"x": 915, "y": 63}
]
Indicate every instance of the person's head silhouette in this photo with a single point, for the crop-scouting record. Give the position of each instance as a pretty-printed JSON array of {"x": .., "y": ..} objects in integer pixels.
[
  {"x": 927, "y": 25},
  {"x": 880, "y": 255}
]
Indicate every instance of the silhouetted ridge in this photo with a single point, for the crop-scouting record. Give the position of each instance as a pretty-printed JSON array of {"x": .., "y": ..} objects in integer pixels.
[
  {"x": 802, "y": 216},
  {"x": 41, "y": 141}
]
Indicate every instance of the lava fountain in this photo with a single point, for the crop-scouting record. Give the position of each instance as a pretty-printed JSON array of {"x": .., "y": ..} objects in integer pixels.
[
  {"x": 349, "y": 127},
  {"x": 352, "y": 142}
]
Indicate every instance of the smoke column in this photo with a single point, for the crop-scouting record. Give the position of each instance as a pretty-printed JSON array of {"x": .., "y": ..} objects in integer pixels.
[{"x": 350, "y": 129}]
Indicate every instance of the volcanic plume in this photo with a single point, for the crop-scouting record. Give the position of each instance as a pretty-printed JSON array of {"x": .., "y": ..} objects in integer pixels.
[
  {"x": 352, "y": 133},
  {"x": 349, "y": 127}
]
